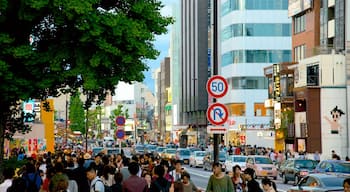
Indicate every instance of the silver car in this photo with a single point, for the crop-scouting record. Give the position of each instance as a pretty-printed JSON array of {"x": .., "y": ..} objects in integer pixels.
[{"x": 196, "y": 159}]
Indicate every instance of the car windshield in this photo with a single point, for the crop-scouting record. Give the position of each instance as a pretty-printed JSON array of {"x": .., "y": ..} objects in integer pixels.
[
  {"x": 238, "y": 159},
  {"x": 305, "y": 164},
  {"x": 139, "y": 147},
  {"x": 262, "y": 160},
  {"x": 333, "y": 181},
  {"x": 200, "y": 154},
  {"x": 160, "y": 149},
  {"x": 152, "y": 147},
  {"x": 171, "y": 151},
  {"x": 185, "y": 152},
  {"x": 342, "y": 167}
]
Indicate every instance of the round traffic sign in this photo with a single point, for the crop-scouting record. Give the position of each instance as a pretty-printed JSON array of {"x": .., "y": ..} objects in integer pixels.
[
  {"x": 217, "y": 114},
  {"x": 217, "y": 86},
  {"x": 120, "y": 133},
  {"x": 120, "y": 120}
]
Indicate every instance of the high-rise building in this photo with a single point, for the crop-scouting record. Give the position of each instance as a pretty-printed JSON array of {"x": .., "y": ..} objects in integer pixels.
[
  {"x": 190, "y": 70},
  {"x": 254, "y": 34}
]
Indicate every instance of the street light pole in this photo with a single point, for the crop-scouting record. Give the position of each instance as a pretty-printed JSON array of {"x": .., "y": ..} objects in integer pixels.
[{"x": 66, "y": 121}]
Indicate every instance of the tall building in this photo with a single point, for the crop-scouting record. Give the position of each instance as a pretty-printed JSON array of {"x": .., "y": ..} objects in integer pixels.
[
  {"x": 254, "y": 34},
  {"x": 190, "y": 71}
]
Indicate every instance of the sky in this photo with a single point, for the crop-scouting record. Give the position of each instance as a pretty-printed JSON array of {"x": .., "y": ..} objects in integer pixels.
[{"x": 161, "y": 44}]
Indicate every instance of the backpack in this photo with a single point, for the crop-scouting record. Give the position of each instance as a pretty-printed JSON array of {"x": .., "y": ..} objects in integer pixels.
[
  {"x": 162, "y": 189},
  {"x": 107, "y": 188},
  {"x": 32, "y": 183}
]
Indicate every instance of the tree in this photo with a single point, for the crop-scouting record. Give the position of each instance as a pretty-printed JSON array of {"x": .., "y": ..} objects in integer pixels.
[
  {"x": 94, "y": 121},
  {"x": 50, "y": 47},
  {"x": 76, "y": 113}
]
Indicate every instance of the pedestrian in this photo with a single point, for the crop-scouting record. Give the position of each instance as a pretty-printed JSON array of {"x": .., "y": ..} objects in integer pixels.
[
  {"x": 219, "y": 181},
  {"x": 188, "y": 185},
  {"x": 96, "y": 185},
  {"x": 237, "y": 179},
  {"x": 8, "y": 177},
  {"x": 134, "y": 183},
  {"x": 335, "y": 156},
  {"x": 317, "y": 156},
  {"x": 268, "y": 185},
  {"x": 252, "y": 184},
  {"x": 160, "y": 184},
  {"x": 346, "y": 185}
]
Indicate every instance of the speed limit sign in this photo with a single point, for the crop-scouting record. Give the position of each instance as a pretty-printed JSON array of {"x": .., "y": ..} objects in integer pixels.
[{"x": 217, "y": 86}]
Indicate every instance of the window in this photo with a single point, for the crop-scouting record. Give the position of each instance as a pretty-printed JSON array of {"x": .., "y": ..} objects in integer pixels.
[
  {"x": 299, "y": 52},
  {"x": 259, "y": 110},
  {"x": 237, "y": 109},
  {"x": 266, "y": 4},
  {"x": 255, "y": 56},
  {"x": 312, "y": 75},
  {"x": 249, "y": 83},
  {"x": 299, "y": 23}
]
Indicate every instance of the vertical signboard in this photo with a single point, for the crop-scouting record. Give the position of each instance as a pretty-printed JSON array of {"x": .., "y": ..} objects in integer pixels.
[{"x": 276, "y": 82}]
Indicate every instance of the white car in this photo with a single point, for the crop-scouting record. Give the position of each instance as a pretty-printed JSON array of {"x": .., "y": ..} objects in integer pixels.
[
  {"x": 233, "y": 160},
  {"x": 196, "y": 159}
]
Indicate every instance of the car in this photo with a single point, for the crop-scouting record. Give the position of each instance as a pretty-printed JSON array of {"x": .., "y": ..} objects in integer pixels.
[
  {"x": 169, "y": 153},
  {"x": 295, "y": 169},
  {"x": 319, "y": 182},
  {"x": 183, "y": 155},
  {"x": 108, "y": 142},
  {"x": 208, "y": 160},
  {"x": 262, "y": 165},
  {"x": 334, "y": 166},
  {"x": 139, "y": 149},
  {"x": 196, "y": 159},
  {"x": 96, "y": 150},
  {"x": 233, "y": 160},
  {"x": 151, "y": 148},
  {"x": 158, "y": 152}
]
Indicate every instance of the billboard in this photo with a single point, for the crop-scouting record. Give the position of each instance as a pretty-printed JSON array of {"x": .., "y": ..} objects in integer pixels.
[{"x": 298, "y": 6}]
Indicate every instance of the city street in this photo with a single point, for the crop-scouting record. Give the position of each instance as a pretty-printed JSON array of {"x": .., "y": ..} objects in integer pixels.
[{"x": 201, "y": 177}]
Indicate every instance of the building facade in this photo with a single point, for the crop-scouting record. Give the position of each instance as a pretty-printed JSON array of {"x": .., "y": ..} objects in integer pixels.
[
  {"x": 192, "y": 101},
  {"x": 254, "y": 34}
]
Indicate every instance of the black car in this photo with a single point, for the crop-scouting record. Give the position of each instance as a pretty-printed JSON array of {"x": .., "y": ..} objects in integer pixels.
[
  {"x": 208, "y": 160},
  {"x": 295, "y": 169}
]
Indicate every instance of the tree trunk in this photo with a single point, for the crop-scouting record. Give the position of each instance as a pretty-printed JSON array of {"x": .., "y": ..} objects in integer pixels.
[{"x": 2, "y": 140}]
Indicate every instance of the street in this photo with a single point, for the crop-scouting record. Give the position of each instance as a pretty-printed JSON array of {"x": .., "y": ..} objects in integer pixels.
[{"x": 201, "y": 177}]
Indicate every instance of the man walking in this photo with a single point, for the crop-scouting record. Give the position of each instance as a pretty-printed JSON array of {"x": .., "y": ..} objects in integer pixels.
[
  {"x": 134, "y": 183},
  {"x": 219, "y": 181}
]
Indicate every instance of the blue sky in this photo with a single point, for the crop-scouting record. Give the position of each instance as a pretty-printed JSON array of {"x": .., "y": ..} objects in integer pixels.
[{"x": 161, "y": 43}]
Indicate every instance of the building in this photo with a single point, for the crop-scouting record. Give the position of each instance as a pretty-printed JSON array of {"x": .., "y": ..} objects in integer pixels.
[
  {"x": 191, "y": 71},
  {"x": 254, "y": 34},
  {"x": 318, "y": 42}
]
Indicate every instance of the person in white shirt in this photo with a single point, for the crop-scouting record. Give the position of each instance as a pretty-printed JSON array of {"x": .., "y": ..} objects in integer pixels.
[
  {"x": 8, "y": 175},
  {"x": 96, "y": 184}
]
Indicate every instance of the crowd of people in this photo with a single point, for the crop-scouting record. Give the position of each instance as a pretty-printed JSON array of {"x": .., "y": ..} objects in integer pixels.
[{"x": 76, "y": 171}]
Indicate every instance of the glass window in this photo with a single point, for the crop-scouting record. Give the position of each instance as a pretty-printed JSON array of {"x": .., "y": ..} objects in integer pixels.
[
  {"x": 266, "y": 4},
  {"x": 249, "y": 83},
  {"x": 259, "y": 110},
  {"x": 237, "y": 109},
  {"x": 255, "y": 56},
  {"x": 299, "y": 23}
]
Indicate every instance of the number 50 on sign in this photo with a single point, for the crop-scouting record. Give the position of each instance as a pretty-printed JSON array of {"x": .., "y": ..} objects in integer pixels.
[{"x": 217, "y": 86}]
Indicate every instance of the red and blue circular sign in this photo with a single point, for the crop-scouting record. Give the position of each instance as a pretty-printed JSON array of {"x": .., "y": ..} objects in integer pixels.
[
  {"x": 120, "y": 133},
  {"x": 120, "y": 120}
]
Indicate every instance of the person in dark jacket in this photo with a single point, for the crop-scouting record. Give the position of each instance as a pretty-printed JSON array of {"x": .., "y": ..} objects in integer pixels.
[
  {"x": 79, "y": 175},
  {"x": 252, "y": 184},
  {"x": 160, "y": 183}
]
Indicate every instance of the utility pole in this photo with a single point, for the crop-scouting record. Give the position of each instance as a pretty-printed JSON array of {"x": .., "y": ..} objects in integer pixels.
[
  {"x": 66, "y": 121},
  {"x": 215, "y": 68}
]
